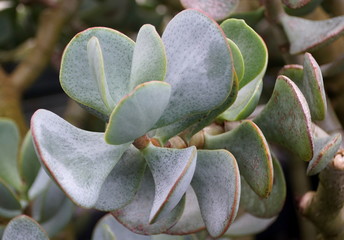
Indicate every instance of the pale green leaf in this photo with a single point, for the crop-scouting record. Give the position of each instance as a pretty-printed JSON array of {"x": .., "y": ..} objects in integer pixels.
[
  {"x": 216, "y": 9},
  {"x": 135, "y": 216},
  {"x": 172, "y": 170},
  {"x": 23, "y": 227},
  {"x": 268, "y": 207},
  {"x": 217, "y": 186},
  {"x": 78, "y": 160},
  {"x": 97, "y": 71},
  {"x": 247, "y": 225},
  {"x": 76, "y": 76},
  {"x": 252, "y": 48},
  {"x": 29, "y": 164},
  {"x": 149, "y": 58},
  {"x": 9, "y": 143},
  {"x": 191, "y": 220},
  {"x": 9, "y": 202},
  {"x": 238, "y": 59},
  {"x": 306, "y": 35},
  {"x": 286, "y": 119},
  {"x": 137, "y": 113},
  {"x": 199, "y": 66},
  {"x": 245, "y": 103},
  {"x": 247, "y": 143}
]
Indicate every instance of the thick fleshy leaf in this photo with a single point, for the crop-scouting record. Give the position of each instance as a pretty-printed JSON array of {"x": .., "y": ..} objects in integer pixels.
[
  {"x": 216, "y": 9},
  {"x": 306, "y": 35},
  {"x": 23, "y": 227},
  {"x": 197, "y": 122},
  {"x": 123, "y": 181},
  {"x": 9, "y": 141},
  {"x": 137, "y": 112},
  {"x": 286, "y": 119},
  {"x": 252, "y": 18},
  {"x": 199, "y": 66},
  {"x": 109, "y": 223},
  {"x": 53, "y": 210},
  {"x": 271, "y": 206},
  {"x": 324, "y": 151},
  {"x": 9, "y": 203},
  {"x": 304, "y": 10},
  {"x": 135, "y": 216},
  {"x": 247, "y": 225},
  {"x": 313, "y": 88},
  {"x": 96, "y": 65},
  {"x": 191, "y": 221},
  {"x": 309, "y": 80},
  {"x": 78, "y": 160},
  {"x": 251, "y": 46},
  {"x": 217, "y": 186},
  {"x": 238, "y": 59},
  {"x": 149, "y": 59},
  {"x": 247, "y": 143},
  {"x": 295, "y": 3},
  {"x": 172, "y": 170},
  {"x": 40, "y": 184},
  {"x": 76, "y": 76},
  {"x": 245, "y": 103},
  {"x": 29, "y": 164}
]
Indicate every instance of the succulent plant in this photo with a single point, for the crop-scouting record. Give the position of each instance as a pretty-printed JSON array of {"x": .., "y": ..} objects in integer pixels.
[{"x": 185, "y": 145}]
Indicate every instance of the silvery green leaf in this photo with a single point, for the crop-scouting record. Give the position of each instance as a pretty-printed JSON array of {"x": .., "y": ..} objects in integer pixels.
[
  {"x": 199, "y": 66},
  {"x": 77, "y": 79},
  {"x": 217, "y": 186},
  {"x": 172, "y": 170},
  {"x": 9, "y": 202},
  {"x": 149, "y": 58},
  {"x": 137, "y": 113},
  {"x": 23, "y": 227},
  {"x": 79, "y": 161}
]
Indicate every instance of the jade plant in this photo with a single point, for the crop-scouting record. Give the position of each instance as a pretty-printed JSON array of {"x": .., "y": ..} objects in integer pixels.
[{"x": 185, "y": 145}]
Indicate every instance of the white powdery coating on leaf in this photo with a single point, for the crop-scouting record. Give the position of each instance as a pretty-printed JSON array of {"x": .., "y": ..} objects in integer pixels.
[
  {"x": 23, "y": 227},
  {"x": 76, "y": 77},
  {"x": 79, "y": 160},
  {"x": 199, "y": 65},
  {"x": 172, "y": 170}
]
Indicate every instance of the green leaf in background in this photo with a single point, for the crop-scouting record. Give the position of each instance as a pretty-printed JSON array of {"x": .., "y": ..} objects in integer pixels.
[
  {"x": 149, "y": 58},
  {"x": 295, "y": 3},
  {"x": 29, "y": 164},
  {"x": 324, "y": 150},
  {"x": 252, "y": 18},
  {"x": 286, "y": 119},
  {"x": 247, "y": 143},
  {"x": 9, "y": 143},
  {"x": 97, "y": 71},
  {"x": 172, "y": 170},
  {"x": 23, "y": 227},
  {"x": 137, "y": 113},
  {"x": 78, "y": 160},
  {"x": 216, "y": 9},
  {"x": 116, "y": 228},
  {"x": 135, "y": 216},
  {"x": 9, "y": 202},
  {"x": 252, "y": 48},
  {"x": 307, "y": 35},
  {"x": 313, "y": 88},
  {"x": 41, "y": 183},
  {"x": 294, "y": 72},
  {"x": 217, "y": 186},
  {"x": 304, "y": 10},
  {"x": 199, "y": 66},
  {"x": 268, "y": 207},
  {"x": 191, "y": 220},
  {"x": 76, "y": 76},
  {"x": 245, "y": 103},
  {"x": 248, "y": 225}
]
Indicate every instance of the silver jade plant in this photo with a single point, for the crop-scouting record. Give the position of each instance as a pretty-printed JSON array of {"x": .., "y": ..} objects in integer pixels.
[{"x": 183, "y": 147}]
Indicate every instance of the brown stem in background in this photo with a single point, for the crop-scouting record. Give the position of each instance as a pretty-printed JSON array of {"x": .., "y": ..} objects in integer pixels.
[{"x": 13, "y": 85}]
